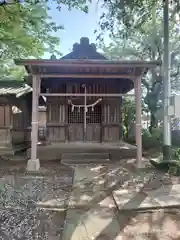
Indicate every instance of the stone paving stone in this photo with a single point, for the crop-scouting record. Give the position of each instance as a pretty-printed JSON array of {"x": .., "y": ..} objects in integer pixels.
[
  {"x": 93, "y": 214},
  {"x": 162, "y": 197},
  {"x": 88, "y": 178},
  {"x": 92, "y": 224},
  {"x": 93, "y": 211}
]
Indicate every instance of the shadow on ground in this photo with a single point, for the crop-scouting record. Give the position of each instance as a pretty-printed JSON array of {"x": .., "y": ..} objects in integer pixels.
[
  {"x": 100, "y": 203},
  {"x": 104, "y": 206}
]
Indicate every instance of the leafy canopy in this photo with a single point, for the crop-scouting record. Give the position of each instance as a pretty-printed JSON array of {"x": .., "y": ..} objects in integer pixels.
[
  {"x": 146, "y": 43},
  {"x": 128, "y": 15},
  {"x": 26, "y": 30}
]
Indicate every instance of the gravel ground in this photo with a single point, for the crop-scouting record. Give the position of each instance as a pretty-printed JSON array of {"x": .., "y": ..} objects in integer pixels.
[{"x": 20, "y": 217}]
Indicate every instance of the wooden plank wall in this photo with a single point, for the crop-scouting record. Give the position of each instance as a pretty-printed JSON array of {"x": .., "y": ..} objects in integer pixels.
[
  {"x": 5, "y": 115},
  {"x": 56, "y": 116},
  {"x": 14, "y": 126},
  {"x": 20, "y": 122},
  {"x": 5, "y": 123},
  {"x": 60, "y": 130},
  {"x": 111, "y": 120}
]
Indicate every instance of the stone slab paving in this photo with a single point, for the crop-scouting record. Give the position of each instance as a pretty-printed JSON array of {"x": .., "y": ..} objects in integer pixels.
[
  {"x": 87, "y": 217},
  {"x": 100, "y": 192},
  {"x": 92, "y": 210},
  {"x": 89, "y": 224},
  {"x": 163, "y": 197}
]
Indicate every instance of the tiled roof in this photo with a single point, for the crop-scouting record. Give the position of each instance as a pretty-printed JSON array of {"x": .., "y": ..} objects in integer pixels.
[{"x": 13, "y": 89}]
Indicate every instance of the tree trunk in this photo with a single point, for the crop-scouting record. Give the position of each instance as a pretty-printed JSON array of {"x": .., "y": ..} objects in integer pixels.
[
  {"x": 127, "y": 131},
  {"x": 153, "y": 122}
]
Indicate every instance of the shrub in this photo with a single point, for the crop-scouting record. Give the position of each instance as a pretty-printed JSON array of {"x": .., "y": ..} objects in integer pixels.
[
  {"x": 152, "y": 140},
  {"x": 149, "y": 141}
]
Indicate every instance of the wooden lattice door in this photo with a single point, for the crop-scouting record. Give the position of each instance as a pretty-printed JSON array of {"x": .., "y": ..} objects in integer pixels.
[
  {"x": 93, "y": 119},
  {"x": 75, "y": 122},
  {"x": 84, "y": 117}
]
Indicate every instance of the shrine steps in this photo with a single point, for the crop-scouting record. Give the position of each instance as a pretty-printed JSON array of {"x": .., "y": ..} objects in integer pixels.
[
  {"x": 80, "y": 158},
  {"x": 85, "y": 152}
]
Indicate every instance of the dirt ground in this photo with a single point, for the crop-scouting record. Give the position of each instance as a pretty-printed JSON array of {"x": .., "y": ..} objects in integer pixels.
[{"x": 150, "y": 225}]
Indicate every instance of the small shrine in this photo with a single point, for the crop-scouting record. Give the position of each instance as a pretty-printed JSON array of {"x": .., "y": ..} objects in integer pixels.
[{"x": 84, "y": 93}]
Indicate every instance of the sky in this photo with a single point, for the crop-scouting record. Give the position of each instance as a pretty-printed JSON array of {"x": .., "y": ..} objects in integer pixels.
[{"x": 76, "y": 25}]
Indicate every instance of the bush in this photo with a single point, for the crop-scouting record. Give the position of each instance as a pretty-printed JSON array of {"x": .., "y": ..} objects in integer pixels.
[
  {"x": 151, "y": 141},
  {"x": 131, "y": 140}
]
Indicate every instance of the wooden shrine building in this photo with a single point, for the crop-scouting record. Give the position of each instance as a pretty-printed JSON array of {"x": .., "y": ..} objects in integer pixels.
[
  {"x": 83, "y": 93},
  {"x": 15, "y": 115}
]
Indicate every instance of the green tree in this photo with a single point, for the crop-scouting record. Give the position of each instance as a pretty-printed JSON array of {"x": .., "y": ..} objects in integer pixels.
[
  {"x": 129, "y": 15},
  {"x": 9, "y": 71},
  {"x": 146, "y": 43},
  {"x": 26, "y": 31},
  {"x": 128, "y": 116},
  {"x": 78, "y": 4}
]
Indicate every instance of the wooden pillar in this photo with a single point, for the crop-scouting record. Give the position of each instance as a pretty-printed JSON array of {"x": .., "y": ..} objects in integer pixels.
[
  {"x": 137, "y": 86},
  {"x": 33, "y": 163},
  {"x": 85, "y": 113}
]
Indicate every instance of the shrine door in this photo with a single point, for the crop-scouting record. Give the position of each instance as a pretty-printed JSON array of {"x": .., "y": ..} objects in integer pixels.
[{"x": 84, "y": 117}]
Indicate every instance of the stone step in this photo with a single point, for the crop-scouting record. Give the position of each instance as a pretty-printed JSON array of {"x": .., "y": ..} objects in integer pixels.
[
  {"x": 15, "y": 158},
  {"x": 11, "y": 151},
  {"x": 85, "y": 157},
  {"x": 119, "y": 154}
]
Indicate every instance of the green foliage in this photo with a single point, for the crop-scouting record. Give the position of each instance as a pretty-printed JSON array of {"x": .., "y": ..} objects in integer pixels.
[
  {"x": 129, "y": 15},
  {"x": 128, "y": 116},
  {"x": 172, "y": 166},
  {"x": 78, "y": 4},
  {"x": 9, "y": 71},
  {"x": 152, "y": 140},
  {"x": 26, "y": 31},
  {"x": 82, "y": 5},
  {"x": 146, "y": 43},
  {"x": 176, "y": 154},
  {"x": 149, "y": 140}
]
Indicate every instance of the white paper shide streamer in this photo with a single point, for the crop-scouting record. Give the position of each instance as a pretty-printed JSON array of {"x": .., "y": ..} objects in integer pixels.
[{"x": 73, "y": 106}]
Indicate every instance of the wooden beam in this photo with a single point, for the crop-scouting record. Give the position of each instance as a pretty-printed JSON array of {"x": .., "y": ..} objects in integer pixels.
[
  {"x": 87, "y": 94},
  {"x": 137, "y": 86},
  {"x": 102, "y": 76},
  {"x": 33, "y": 163},
  {"x": 87, "y": 63}
]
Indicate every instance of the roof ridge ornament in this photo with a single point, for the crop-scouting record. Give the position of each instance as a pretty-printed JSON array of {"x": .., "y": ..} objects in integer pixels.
[
  {"x": 84, "y": 44},
  {"x": 53, "y": 57}
]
